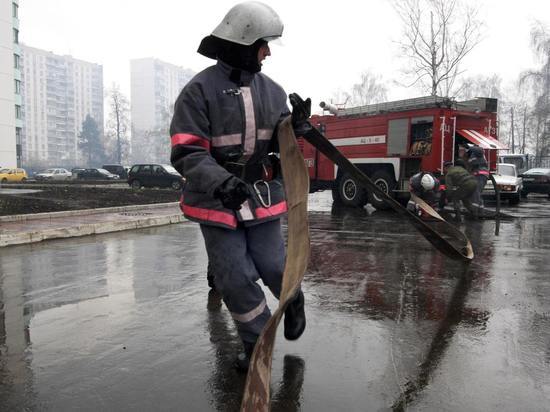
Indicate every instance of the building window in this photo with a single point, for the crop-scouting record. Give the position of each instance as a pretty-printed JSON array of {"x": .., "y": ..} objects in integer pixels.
[
  {"x": 15, "y": 9},
  {"x": 18, "y": 114},
  {"x": 16, "y": 36},
  {"x": 16, "y": 61},
  {"x": 17, "y": 86}
]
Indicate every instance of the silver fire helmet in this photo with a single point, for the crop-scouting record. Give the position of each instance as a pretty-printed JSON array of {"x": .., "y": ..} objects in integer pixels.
[
  {"x": 248, "y": 22},
  {"x": 427, "y": 182}
]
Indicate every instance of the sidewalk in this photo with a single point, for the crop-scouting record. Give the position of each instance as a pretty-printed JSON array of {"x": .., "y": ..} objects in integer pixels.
[{"x": 31, "y": 228}]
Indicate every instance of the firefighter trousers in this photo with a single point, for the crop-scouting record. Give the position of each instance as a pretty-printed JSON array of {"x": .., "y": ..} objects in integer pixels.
[
  {"x": 466, "y": 192},
  {"x": 237, "y": 260},
  {"x": 477, "y": 199}
]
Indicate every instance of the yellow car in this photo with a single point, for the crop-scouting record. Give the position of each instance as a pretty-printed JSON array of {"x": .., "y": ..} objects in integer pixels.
[{"x": 12, "y": 175}]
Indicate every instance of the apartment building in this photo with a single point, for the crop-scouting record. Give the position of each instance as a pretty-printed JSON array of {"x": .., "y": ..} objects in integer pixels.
[
  {"x": 10, "y": 85},
  {"x": 154, "y": 87},
  {"x": 58, "y": 93}
]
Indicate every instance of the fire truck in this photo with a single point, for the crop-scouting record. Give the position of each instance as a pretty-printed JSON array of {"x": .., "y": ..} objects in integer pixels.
[{"x": 392, "y": 141}]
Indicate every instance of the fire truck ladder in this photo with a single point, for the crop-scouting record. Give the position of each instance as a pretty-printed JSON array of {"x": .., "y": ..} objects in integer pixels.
[{"x": 427, "y": 102}]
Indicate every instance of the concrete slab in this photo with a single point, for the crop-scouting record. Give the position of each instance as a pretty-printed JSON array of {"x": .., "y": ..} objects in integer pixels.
[
  {"x": 17, "y": 191},
  {"x": 22, "y": 229}
]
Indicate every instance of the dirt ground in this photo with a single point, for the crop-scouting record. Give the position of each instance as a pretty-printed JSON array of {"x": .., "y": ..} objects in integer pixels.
[{"x": 54, "y": 198}]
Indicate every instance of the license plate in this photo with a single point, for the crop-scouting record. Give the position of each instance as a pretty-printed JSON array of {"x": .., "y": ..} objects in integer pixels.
[{"x": 528, "y": 179}]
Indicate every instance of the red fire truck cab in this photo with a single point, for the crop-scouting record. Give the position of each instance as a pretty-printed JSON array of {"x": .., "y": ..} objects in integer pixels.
[{"x": 392, "y": 141}]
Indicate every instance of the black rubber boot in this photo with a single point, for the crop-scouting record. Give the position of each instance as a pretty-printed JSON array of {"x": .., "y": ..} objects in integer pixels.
[
  {"x": 243, "y": 359},
  {"x": 295, "y": 318},
  {"x": 210, "y": 280}
]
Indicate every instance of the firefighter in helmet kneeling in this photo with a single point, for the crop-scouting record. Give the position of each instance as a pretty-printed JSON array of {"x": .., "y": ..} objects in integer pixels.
[{"x": 425, "y": 186}]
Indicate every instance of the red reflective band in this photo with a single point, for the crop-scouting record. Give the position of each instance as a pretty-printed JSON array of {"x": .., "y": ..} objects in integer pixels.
[
  {"x": 190, "y": 139},
  {"x": 481, "y": 172},
  {"x": 210, "y": 215},
  {"x": 274, "y": 210}
]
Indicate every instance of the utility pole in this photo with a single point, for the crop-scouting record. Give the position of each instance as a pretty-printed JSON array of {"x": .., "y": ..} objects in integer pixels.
[
  {"x": 524, "y": 129},
  {"x": 512, "y": 114}
]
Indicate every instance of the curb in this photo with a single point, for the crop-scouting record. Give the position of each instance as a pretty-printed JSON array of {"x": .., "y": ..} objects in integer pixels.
[
  {"x": 19, "y": 238},
  {"x": 86, "y": 229},
  {"x": 51, "y": 215}
]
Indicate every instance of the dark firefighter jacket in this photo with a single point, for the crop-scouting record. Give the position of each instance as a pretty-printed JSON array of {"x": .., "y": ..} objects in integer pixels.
[
  {"x": 416, "y": 184},
  {"x": 457, "y": 177},
  {"x": 218, "y": 121},
  {"x": 477, "y": 164}
]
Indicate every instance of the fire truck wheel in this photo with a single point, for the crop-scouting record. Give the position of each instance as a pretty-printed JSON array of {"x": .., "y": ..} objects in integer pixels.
[
  {"x": 349, "y": 193},
  {"x": 384, "y": 181}
]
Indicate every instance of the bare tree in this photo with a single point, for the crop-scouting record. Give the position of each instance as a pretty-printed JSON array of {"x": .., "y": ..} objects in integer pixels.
[
  {"x": 370, "y": 89},
  {"x": 480, "y": 86},
  {"x": 340, "y": 98},
  {"x": 437, "y": 36},
  {"x": 118, "y": 122},
  {"x": 539, "y": 82},
  {"x": 153, "y": 145}
]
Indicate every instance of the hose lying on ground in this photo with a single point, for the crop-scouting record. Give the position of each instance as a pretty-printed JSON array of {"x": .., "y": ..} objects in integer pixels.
[{"x": 454, "y": 244}]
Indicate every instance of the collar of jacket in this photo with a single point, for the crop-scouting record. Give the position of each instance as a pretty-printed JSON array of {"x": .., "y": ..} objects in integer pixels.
[{"x": 244, "y": 77}]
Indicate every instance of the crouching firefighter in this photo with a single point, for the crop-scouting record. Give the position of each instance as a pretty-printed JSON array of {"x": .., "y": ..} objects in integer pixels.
[
  {"x": 223, "y": 132},
  {"x": 460, "y": 186},
  {"x": 426, "y": 187}
]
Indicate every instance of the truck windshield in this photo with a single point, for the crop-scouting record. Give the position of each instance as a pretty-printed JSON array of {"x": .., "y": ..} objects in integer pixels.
[{"x": 518, "y": 161}]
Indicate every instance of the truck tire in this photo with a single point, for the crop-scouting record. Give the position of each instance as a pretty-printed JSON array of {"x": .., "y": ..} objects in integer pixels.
[
  {"x": 348, "y": 192},
  {"x": 384, "y": 181}
]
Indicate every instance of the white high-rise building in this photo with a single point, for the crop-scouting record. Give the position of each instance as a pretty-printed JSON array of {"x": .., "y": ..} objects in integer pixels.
[
  {"x": 59, "y": 92},
  {"x": 154, "y": 87},
  {"x": 10, "y": 84}
]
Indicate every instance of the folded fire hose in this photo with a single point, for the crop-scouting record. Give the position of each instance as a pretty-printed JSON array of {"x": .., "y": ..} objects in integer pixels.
[
  {"x": 256, "y": 391},
  {"x": 447, "y": 239}
]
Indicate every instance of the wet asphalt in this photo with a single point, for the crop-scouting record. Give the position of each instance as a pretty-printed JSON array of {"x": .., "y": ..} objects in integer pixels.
[{"x": 125, "y": 321}]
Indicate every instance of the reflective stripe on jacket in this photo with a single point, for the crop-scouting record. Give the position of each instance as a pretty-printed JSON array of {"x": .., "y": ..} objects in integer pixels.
[{"x": 216, "y": 120}]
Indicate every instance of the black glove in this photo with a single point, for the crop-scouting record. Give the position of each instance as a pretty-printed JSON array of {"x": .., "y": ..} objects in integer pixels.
[
  {"x": 301, "y": 110},
  {"x": 232, "y": 193}
]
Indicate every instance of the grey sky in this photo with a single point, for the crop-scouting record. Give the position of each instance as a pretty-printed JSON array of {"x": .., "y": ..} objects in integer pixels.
[{"x": 326, "y": 43}]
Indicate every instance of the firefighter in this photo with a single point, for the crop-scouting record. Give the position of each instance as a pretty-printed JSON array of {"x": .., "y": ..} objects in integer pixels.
[
  {"x": 478, "y": 167},
  {"x": 223, "y": 130},
  {"x": 426, "y": 187},
  {"x": 460, "y": 186}
]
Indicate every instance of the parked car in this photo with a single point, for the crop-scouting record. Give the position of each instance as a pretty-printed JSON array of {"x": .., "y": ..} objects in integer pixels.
[
  {"x": 96, "y": 174},
  {"x": 117, "y": 170},
  {"x": 154, "y": 175},
  {"x": 75, "y": 171},
  {"x": 508, "y": 181},
  {"x": 53, "y": 174},
  {"x": 13, "y": 175},
  {"x": 536, "y": 180}
]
